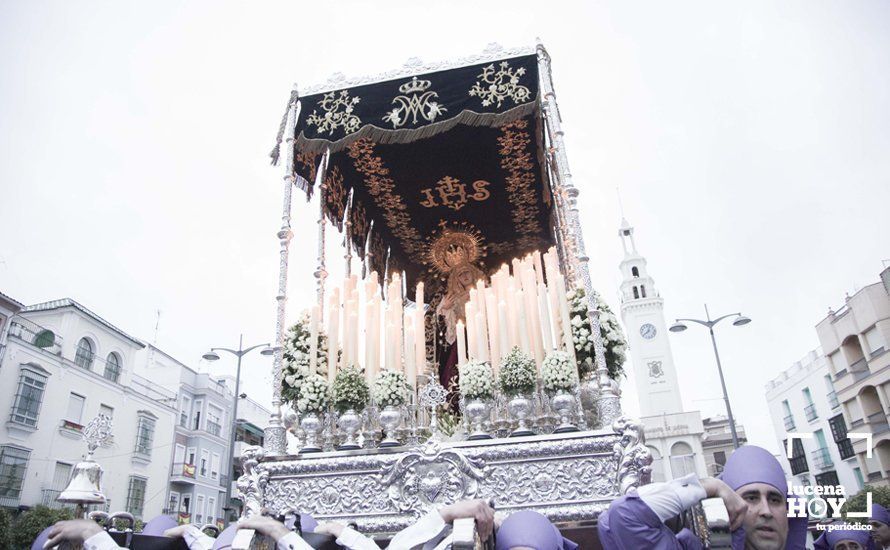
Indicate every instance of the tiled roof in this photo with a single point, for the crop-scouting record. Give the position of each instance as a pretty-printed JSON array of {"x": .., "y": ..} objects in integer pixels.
[
  {"x": 12, "y": 300},
  {"x": 68, "y": 302}
]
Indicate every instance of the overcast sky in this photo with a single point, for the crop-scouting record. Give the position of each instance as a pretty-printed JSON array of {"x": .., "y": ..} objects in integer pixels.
[{"x": 749, "y": 140}]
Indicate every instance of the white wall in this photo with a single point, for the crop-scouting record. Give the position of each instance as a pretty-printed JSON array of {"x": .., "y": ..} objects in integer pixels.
[
  {"x": 810, "y": 373},
  {"x": 50, "y": 442}
]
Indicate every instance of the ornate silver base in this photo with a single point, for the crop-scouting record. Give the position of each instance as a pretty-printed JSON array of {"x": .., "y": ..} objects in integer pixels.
[{"x": 570, "y": 478}]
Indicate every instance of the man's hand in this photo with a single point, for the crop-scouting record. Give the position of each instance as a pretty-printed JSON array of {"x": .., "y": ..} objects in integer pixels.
[
  {"x": 330, "y": 528},
  {"x": 735, "y": 505},
  {"x": 265, "y": 525},
  {"x": 178, "y": 531},
  {"x": 75, "y": 531},
  {"x": 479, "y": 510}
]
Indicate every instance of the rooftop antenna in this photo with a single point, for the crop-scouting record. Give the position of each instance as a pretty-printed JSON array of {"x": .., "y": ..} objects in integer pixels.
[{"x": 157, "y": 324}]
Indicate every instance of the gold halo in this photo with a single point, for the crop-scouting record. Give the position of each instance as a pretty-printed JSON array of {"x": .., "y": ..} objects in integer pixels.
[{"x": 446, "y": 244}]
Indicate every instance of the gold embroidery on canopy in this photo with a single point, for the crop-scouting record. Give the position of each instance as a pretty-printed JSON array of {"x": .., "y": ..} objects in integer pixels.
[
  {"x": 306, "y": 163},
  {"x": 418, "y": 100},
  {"x": 335, "y": 196},
  {"x": 496, "y": 86},
  {"x": 337, "y": 114},
  {"x": 359, "y": 219},
  {"x": 381, "y": 187},
  {"x": 453, "y": 193},
  {"x": 520, "y": 178}
]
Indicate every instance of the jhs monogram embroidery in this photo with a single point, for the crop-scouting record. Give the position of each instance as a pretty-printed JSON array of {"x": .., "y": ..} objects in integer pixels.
[{"x": 453, "y": 194}]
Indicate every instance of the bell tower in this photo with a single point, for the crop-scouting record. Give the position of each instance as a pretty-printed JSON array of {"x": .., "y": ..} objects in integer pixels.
[{"x": 642, "y": 311}]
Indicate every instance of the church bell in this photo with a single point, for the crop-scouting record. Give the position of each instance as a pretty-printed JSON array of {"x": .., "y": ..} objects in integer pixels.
[{"x": 85, "y": 485}]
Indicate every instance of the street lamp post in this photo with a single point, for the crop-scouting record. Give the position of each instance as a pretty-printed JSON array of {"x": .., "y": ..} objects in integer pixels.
[
  {"x": 239, "y": 353},
  {"x": 740, "y": 320}
]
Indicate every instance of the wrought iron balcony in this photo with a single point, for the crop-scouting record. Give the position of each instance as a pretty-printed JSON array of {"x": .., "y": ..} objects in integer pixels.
[
  {"x": 822, "y": 458},
  {"x": 810, "y": 411},
  {"x": 845, "y": 448},
  {"x": 832, "y": 400},
  {"x": 36, "y": 335},
  {"x": 789, "y": 422},
  {"x": 878, "y": 423},
  {"x": 799, "y": 465},
  {"x": 214, "y": 428}
]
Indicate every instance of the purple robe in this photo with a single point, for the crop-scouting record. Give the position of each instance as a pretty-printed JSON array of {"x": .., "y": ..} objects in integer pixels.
[
  {"x": 531, "y": 529},
  {"x": 829, "y": 539},
  {"x": 629, "y": 524}
]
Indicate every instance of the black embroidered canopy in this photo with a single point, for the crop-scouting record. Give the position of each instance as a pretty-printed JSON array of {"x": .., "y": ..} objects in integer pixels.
[{"x": 460, "y": 149}]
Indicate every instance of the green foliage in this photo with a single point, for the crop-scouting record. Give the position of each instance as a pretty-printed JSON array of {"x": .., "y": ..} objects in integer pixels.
[
  {"x": 350, "y": 390},
  {"x": 5, "y": 529},
  {"x": 29, "y": 524},
  {"x": 614, "y": 343},
  {"x": 122, "y": 524},
  {"x": 518, "y": 373},
  {"x": 856, "y": 503}
]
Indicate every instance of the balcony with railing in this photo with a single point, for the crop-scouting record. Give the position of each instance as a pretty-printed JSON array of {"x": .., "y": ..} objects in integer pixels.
[
  {"x": 182, "y": 472},
  {"x": 845, "y": 448},
  {"x": 36, "y": 335},
  {"x": 832, "y": 400},
  {"x": 213, "y": 428},
  {"x": 810, "y": 412},
  {"x": 822, "y": 458},
  {"x": 878, "y": 423},
  {"x": 799, "y": 464},
  {"x": 789, "y": 422}
]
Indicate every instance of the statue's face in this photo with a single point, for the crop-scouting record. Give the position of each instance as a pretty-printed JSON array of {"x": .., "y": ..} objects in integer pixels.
[{"x": 465, "y": 278}]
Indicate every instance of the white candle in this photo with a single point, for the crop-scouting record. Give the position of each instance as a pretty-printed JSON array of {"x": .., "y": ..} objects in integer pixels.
[
  {"x": 419, "y": 329},
  {"x": 313, "y": 338},
  {"x": 512, "y": 315},
  {"x": 333, "y": 342},
  {"x": 491, "y": 310},
  {"x": 353, "y": 348},
  {"x": 503, "y": 339},
  {"x": 479, "y": 323},
  {"x": 410, "y": 367},
  {"x": 461, "y": 343},
  {"x": 520, "y": 314},
  {"x": 391, "y": 359},
  {"x": 545, "y": 318},
  {"x": 531, "y": 311},
  {"x": 470, "y": 317},
  {"x": 374, "y": 365},
  {"x": 539, "y": 270},
  {"x": 567, "y": 336}
]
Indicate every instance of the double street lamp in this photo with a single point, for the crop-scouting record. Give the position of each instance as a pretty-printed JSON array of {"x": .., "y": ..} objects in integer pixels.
[
  {"x": 740, "y": 320},
  {"x": 239, "y": 353}
]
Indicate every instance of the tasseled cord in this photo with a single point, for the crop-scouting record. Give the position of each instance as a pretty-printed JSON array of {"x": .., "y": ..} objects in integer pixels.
[{"x": 276, "y": 151}]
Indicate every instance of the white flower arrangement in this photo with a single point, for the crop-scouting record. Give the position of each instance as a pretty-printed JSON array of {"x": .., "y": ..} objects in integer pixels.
[
  {"x": 350, "y": 390},
  {"x": 476, "y": 380},
  {"x": 390, "y": 388},
  {"x": 518, "y": 373},
  {"x": 558, "y": 372},
  {"x": 610, "y": 331},
  {"x": 314, "y": 394},
  {"x": 295, "y": 367}
]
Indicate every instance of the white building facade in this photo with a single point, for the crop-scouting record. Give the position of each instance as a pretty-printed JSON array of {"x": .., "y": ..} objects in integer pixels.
[
  {"x": 672, "y": 434},
  {"x": 856, "y": 341},
  {"x": 199, "y": 458},
  {"x": 802, "y": 400},
  {"x": 63, "y": 365}
]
